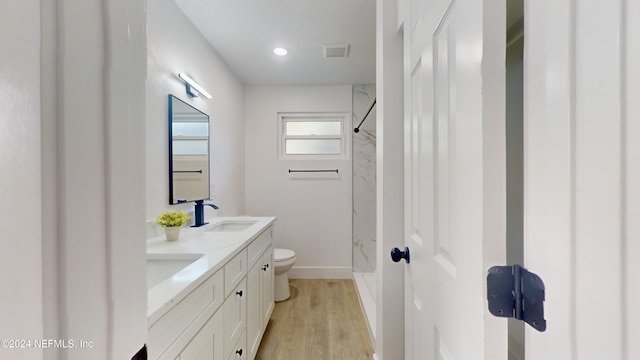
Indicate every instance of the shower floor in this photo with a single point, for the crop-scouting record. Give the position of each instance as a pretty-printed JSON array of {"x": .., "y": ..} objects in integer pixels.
[{"x": 366, "y": 286}]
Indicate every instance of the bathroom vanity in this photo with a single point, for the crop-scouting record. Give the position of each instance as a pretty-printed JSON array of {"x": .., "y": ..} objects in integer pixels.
[{"x": 210, "y": 294}]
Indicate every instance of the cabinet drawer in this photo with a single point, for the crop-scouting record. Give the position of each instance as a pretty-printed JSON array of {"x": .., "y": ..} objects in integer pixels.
[
  {"x": 207, "y": 343},
  {"x": 239, "y": 351},
  {"x": 259, "y": 245},
  {"x": 169, "y": 327},
  {"x": 235, "y": 317},
  {"x": 234, "y": 271}
]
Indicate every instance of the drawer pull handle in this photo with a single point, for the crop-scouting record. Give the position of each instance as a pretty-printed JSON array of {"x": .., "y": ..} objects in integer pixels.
[
  {"x": 239, "y": 352},
  {"x": 239, "y": 293}
]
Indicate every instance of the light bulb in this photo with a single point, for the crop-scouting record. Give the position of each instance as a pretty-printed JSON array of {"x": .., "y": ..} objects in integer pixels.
[{"x": 280, "y": 51}]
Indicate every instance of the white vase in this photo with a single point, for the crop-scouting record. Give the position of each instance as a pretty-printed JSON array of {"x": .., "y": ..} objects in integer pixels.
[{"x": 172, "y": 232}]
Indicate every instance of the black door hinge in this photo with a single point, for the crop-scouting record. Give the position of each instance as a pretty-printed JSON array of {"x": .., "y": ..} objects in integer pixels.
[{"x": 514, "y": 292}]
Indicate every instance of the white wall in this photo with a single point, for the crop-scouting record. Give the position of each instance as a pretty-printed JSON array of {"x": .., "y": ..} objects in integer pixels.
[
  {"x": 21, "y": 305},
  {"x": 314, "y": 215},
  {"x": 174, "y": 46}
]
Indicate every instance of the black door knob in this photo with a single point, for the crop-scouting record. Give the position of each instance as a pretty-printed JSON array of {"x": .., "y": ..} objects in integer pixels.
[
  {"x": 239, "y": 293},
  {"x": 239, "y": 352},
  {"x": 397, "y": 255}
]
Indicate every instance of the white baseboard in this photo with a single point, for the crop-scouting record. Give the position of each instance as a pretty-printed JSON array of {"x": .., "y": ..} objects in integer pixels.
[
  {"x": 367, "y": 305},
  {"x": 320, "y": 273}
]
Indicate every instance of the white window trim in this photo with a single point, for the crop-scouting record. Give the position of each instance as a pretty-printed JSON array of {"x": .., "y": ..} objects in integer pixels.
[{"x": 345, "y": 138}]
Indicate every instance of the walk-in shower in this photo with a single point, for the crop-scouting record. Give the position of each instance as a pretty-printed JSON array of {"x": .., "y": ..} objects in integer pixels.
[{"x": 364, "y": 199}]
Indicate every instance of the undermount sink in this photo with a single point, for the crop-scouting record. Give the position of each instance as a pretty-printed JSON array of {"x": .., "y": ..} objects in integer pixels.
[
  {"x": 163, "y": 266},
  {"x": 231, "y": 225}
]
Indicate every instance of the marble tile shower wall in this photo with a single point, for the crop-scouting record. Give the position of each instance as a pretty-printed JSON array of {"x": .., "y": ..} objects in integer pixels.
[{"x": 364, "y": 180}]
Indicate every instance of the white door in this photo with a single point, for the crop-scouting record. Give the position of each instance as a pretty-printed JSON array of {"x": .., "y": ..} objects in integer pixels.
[
  {"x": 454, "y": 176},
  {"x": 582, "y": 176}
]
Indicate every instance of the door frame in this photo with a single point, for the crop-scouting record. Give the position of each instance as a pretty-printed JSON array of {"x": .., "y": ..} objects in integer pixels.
[
  {"x": 390, "y": 180},
  {"x": 582, "y": 177},
  {"x": 556, "y": 28}
]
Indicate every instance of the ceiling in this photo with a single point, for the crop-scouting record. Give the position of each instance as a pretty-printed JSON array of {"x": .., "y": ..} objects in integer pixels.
[{"x": 245, "y": 32}]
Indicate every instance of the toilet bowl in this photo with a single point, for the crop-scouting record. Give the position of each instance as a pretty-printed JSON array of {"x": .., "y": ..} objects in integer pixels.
[{"x": 283, "y": 260}]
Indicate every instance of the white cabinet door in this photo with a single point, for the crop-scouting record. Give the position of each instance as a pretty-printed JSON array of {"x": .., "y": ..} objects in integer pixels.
[
  {"x": 266, "y": 287},
  {"x": 454, "y": 176},
  {"x": 260, "y": 301},
  {"x": 254, "y": 307},
  {"x": 208, "y": 342},
  {"x": 235, "y": 316}
]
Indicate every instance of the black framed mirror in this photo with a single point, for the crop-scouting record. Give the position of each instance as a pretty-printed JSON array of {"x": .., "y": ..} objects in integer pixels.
[{"x": 188, "y": 153}]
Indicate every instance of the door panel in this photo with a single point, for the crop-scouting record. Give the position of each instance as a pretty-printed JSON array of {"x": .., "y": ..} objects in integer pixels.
[
  {"x": 454, "y": 176},
  {"x": 444, "y": 136},
  {"x": 420, "y": 222},
  {"x": 581, "y": 176}
]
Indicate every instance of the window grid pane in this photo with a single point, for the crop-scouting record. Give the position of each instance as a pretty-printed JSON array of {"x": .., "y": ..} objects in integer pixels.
[
  {"x": 190, "y": 129},
  {"x": 311, "y": 128},
  {"x": 313, "y": 146},
  {"x": 312, "y": 135},
  {"x": 190, "y": 147}
]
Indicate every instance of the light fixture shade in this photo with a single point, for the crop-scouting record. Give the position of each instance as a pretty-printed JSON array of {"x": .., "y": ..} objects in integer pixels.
[
  {"x": 280, "y": 51},
  {"x": 190, "y": 83}
]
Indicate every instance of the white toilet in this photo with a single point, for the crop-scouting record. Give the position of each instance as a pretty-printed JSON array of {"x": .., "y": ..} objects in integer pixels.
[{"x": 283, "y": 260}]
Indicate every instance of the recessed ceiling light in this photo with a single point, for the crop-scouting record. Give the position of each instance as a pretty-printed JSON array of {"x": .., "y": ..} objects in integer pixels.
[{"x": 280, "y": 51}]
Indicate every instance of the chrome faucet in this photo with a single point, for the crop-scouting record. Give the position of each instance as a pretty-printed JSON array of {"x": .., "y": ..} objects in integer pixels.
[{"x": 199, "y": 212}]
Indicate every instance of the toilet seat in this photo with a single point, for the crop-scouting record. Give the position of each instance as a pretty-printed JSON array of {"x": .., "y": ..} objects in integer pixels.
[{"x": 280, "y": 255}]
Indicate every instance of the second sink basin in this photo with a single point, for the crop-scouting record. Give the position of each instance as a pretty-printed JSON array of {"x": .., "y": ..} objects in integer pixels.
[
  {"x": 163, "y": 266},
  {"x": 231, "y": 225}
]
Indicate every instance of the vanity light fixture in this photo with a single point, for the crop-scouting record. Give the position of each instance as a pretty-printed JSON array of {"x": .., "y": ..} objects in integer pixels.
[
  {"x": 280, "y": 51},
  {"x": 193, "y": 85}
]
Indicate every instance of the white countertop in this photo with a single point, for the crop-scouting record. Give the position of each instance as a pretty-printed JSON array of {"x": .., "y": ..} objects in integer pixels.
[{"x": 217, "y": 248}]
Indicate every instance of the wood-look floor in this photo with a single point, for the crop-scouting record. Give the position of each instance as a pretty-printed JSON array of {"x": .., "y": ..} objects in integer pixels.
[{"x": 321, "y": 321}]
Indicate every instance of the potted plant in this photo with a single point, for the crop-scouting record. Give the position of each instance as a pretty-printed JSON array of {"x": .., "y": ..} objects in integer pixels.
[{"x": 172, "y": 221}]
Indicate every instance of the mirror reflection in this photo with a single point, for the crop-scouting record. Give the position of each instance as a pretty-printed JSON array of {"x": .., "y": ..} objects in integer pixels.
[{"x": 188, "y": 152}]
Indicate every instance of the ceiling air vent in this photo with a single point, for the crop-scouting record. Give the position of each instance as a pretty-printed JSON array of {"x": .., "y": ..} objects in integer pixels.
[{"x": 336, "y": 50}]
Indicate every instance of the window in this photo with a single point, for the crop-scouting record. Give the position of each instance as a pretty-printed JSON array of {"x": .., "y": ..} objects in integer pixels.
[
  {"x": 190, "y": 135},
  {"x": 313, "y": 135}
]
